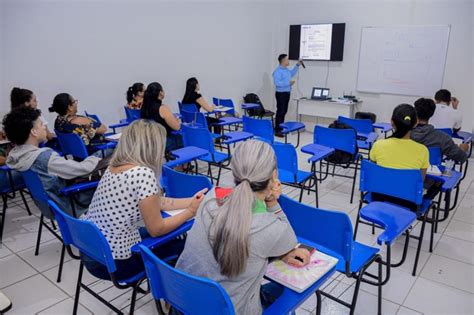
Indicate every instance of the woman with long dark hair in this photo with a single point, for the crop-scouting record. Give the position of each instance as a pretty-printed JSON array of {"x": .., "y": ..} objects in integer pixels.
[
  {"x": 192, "y": 96},
  {"x": 154, "y": 109}
]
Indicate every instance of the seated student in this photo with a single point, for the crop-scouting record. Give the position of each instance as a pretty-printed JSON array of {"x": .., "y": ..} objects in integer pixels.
[
  {"x": 425, "y": 133},
  {"x": 153, "y": 108},
  {"x": 446, "y": 116},
  {"x": 135, "y": 95},
  {"x": 69, "y": 122},
  {"x": 128, "y": 193},
  {"x": 400, "y": 152},
  {"x": 23, "y": 97},
  {"x": 25, "y": 129},
  {"x": 232, "y": 239},
  {"x": 192, "y": 96}
]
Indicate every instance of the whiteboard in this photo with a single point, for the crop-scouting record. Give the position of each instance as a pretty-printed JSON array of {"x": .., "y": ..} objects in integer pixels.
[{"x": 405, "y": 60}]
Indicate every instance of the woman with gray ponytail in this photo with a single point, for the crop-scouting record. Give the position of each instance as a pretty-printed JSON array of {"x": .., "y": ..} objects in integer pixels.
[{"x": 233, "y": 237}]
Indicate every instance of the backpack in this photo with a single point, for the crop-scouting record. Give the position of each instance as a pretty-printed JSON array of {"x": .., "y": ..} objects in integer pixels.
[
  {"x": 254, "y": 99},
  {"x": 340, "y": 157}
]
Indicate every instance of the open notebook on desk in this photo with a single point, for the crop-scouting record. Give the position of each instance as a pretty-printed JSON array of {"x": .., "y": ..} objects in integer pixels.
[{"x": 299, "y": 279}]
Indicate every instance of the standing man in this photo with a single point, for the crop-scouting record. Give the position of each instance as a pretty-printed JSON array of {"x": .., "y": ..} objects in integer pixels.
[{"x": 282, "y": 78}]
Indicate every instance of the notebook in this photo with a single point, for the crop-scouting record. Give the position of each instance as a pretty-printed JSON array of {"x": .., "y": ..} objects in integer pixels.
[
  {"x": 434, "y": 170},
  {"x": 299, "y": 279},
  {"x": 113, "y": 137}
]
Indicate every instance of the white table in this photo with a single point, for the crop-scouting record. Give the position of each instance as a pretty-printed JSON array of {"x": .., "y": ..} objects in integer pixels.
[{"x": 325, "y": 109}]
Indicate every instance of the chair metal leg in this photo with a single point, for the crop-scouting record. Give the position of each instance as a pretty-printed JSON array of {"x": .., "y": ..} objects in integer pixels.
[
  {"x": 219, "y": 174},
  {"x": 209, "y": 173},
  {"x": 354, "y": 181},
  {"x": 4, "y": 215},
  {"x": 301, "y": 192},
  {"x": 318, "y": 302},
  {"x": 159, "y": 308},
  {"x": 356, "y": 228},
  {"x": 420, "y": 241},
  {"x": 25, "y": 203},
  {"x": 356, "y": 294},
  {"x": 433, "y": 223},
  {"x": 78, "y": 288},
  {"x": 379, "y": 297},
  {"x": 38, "y": 239},
  {"x": 134, "y": 298},
  {"x": 61, "y": 263},
  {"x": 316, "y": 192}
]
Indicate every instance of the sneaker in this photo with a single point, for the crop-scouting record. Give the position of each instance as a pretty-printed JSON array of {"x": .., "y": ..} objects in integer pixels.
[{"x": 5, "y": 303}]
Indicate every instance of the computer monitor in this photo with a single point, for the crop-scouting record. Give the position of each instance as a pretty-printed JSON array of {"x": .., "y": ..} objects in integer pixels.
[{"x": 320, "y": 93}]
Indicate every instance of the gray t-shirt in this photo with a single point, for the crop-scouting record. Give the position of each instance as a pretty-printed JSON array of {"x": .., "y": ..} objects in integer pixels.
[{"x": 270, "y": 236}]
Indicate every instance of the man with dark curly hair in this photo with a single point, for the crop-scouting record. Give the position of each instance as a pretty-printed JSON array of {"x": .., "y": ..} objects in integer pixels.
[{"x": 25, "y": 129}]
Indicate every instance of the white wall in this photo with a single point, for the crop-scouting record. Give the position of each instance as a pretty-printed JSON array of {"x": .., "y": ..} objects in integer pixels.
[
  {"x": 96, "y": 49},
  {"x": 358, "y": 13}
]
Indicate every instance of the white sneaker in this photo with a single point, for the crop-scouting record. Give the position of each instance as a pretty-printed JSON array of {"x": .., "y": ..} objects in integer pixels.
[{"x": 5, "y": 303}]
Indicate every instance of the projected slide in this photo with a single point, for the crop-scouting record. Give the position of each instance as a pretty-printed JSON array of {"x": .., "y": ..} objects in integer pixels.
[{"x": 315, "y": 42}]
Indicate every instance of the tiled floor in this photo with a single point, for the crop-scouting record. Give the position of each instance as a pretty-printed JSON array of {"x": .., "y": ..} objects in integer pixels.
[{"x": 444, "y": 284}]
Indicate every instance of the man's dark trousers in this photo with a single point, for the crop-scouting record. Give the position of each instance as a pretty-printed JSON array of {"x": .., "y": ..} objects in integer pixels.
[{"x": 282, "y": 98}]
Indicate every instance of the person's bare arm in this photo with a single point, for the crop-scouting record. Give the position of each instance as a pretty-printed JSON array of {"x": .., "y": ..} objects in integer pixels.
[
  {"x": 179, "y": 203},
  {"x": 170, "y": 119},
  {"x": 87, "y": 121},
  {"x": 154, "y": 222},
  {"x": 423, "y": 173},
  {"x": 101, "y": 130},
  {"x": 298, "y": 257},
  {"x": 204, "y": 104}
]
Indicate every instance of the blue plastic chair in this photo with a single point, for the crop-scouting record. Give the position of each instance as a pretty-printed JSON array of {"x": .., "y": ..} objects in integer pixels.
[
  {"x": 41, "y": 198},
  {"x": 331, "y": 231},
  {"x": 72, "y": 144},
  {"x": 187, "y": 107},
  {"x": 186, "y": 293},
  {"x": 289, "y": 174},
  {"x": 366, "y": 134},
  {"x": 194, "y": 118},
  {"x": 89, "y": 240},
  {"x": 344, "y": 140},
  {"x": 132, "y": 114},
  {"x": 202, "y": 138},
  {"x": 262, "y": 129},
  {"x": 9, "y": 185},
  {"x": 403, "y": 184},
  {"x": 227, "y": 102},
  {"x": 436, "y": 157},
  {"x": 181, "y": 185},
  {"x": 113, "y": 127}
]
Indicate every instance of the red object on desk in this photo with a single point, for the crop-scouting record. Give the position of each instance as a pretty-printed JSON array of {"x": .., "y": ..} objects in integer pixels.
[{"x": 221, "y": 192}]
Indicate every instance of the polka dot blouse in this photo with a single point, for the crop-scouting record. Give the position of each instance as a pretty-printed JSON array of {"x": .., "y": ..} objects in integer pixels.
[{"x": 114, "y": 207}]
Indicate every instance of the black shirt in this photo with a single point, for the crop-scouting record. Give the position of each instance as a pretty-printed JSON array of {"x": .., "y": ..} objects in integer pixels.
[
  {"x": 192, "y": 98},
  {"x": 153, "y": 112}
]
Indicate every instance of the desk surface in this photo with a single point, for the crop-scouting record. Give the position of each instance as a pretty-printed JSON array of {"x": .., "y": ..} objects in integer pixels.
[{"x": 331, "y": 101}]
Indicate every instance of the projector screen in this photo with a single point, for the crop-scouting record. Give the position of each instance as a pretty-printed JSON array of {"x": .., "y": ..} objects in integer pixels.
[{"x": 317, "y": 42}]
